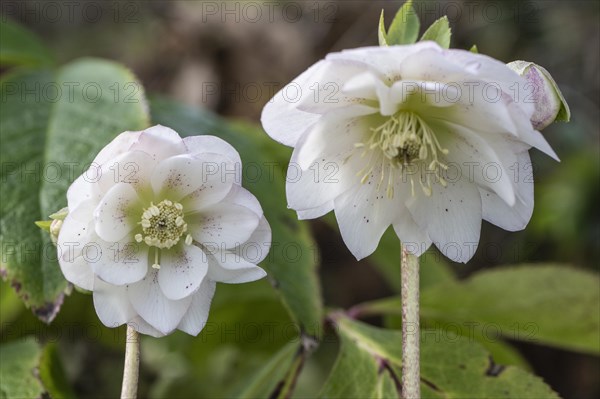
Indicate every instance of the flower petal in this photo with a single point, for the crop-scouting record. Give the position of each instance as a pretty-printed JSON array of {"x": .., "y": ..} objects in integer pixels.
[
  {"x": 256, "y": 248},
  {"x": 132, "y": 167},
  {"x": 516, "y": 217},
  {"x": 159, "y": 142},
  {"x": 182, "y": 270},
  {"x": 196, "y": 145},
  {"x": 228, "y": 267},
  {"x": 120, "y": 144},
  {"x": 76, "y": 231},
  {"x": 364, "y": 213},
  {"x": 207, "y": 178},
  {"x": 317, "y": 212},
  {"x": 451, "y": 216},
  {"x": 116, "y": 214},
  {"x": 140, "y": 325},
  {"x": 83, "y": 188},
  {"x": 195, "y": 319},
  {"x": 242, "y": 197},
  {"x": 77, "y": 271},
  {"x": 223, "y": 225},
  {"x": 154, "y": 307},
  {"x": 112, "y": 304},
  {"x": 120, "y": 263},
  {"x": 413, "y": 237}
]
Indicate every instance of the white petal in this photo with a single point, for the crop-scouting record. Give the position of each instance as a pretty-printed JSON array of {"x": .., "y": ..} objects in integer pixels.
[
  {"x": 256, "y": 248},
  {"x": 153, "y": 306},
  {"x": 131, "y": 167},
  {"x": 228, "y": 267},
  {"x": 112, "y": 304},
  {"x": 122, "y": 143},
  {"x": 159, "y": 142},
  {"x": 120, "y": 263},
  {"x": 195, "y": 319},
  {"x": 516, "y": 217},
  {"x": 280, "y": 117},
  {"x": 77, "y": 271},
  {"x": 317, "y": 212},
  {"x": 182, "y": 270},
  {"x": 196, "y": 145},
  {"x": 207, "y": 178},
  {"x": 76, "y": 231},
  {"x": 364, "y": 214},
  {"x": 82, "y": 189},
  {"x": 240, "y": 196},
  {"x": 413, "y": 237},
  {"x": 116, "y": 215},
  {"x": 451, "y": 216},
  {"x": 223, "y": 225},
  {"x": 140, "y": 325}
]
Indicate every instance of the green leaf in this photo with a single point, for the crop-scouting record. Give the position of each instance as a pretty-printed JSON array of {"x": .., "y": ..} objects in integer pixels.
[
  {"x": 451, "y": 366},
  {"x": 381, "y": 35},
  {"x": 52, "y": 374},
  {"x": 18, "y": 46},
  {"x": 293, "y": 259},
  {"x": 405, "y": 26},
  {"x": 551, "y": 305},
  {"x": 474, "y": 49},
  {"x": 18, "y": 368},
  {"x": 272, "y": 380},
  {"x": 439, "y": 32},
  {"x": 52, "y": 124}
]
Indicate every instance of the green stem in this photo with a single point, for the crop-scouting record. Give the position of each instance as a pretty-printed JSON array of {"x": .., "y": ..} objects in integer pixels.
[
  {"x": 132, "y": 364},
  {"x": 411, "y": 379}
]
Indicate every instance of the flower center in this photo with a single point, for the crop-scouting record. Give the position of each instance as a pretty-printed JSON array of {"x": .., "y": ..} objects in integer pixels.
[
  {"x": 162, "y": 226},
  {"x": 409, "y": 145}
]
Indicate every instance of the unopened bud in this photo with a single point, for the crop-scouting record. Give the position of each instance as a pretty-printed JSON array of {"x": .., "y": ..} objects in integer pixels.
[{"x": 550, "y": 105}]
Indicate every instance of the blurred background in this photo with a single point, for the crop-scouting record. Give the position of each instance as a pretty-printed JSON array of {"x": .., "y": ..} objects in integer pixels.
[{"x": 230, "y": 58}]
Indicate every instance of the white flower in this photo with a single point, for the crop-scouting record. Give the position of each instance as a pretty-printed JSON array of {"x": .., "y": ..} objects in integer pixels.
[
  {"x": 154, "y": 223},
  {"x": 428, "y": 140}
]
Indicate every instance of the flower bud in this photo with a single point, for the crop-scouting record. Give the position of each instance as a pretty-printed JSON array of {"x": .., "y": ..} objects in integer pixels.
[{"x": 550, "y": 105}]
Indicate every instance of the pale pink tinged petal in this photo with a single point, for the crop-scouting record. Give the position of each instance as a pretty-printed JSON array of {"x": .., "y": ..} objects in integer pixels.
[
  {"x": 223, "y": 225},
  {"x": 210, "y": 144},
  {"x": 256, "y": 248},
  {"x": 112, "y": 304},
  {"x": 242, "y": 197},
  {"x": 364, "y": 213},
  {"x": 76, "y": 231},
  {"x": 160, "y": 143},
  {"x": 314, "y": 213},
  {"x": 230, "y": 268},
  {"x": 207, "y": 178},
  {"x": 140, "y": 325},
  {"x": 413, "y": 237},
  {"x": 154, "y": 307},
  {"x": 132, "y": 167},
  {"x": 451, "y": 216},
  {"x": 516, "y": 217},
  {"x": 115, "y": 216},
  {"x": 182, "y": 269},
  {"x": 280, "y": 117},
  {"x": 195, "y": 319},
  {"x": 83, "y": 188},
  {"x": 77, "y": 271},
  {"x": 122, "y": 143},
  {"x": 120, "y": 263}
]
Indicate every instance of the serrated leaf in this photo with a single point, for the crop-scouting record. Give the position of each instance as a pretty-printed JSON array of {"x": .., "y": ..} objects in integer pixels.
[
  {"x": 292, "y": 262},
  {"x": 381, "y": 35},
  {"x": 18, "y": 46},
  {"x": 404, "y": 29},
  {"x": 451, "y": 367},
  {"x": 439, "y": 32},
  {"x": 48, "y": 139},
  {"x": 19, "y": 361},
  {"x": 551, "y": 305}
]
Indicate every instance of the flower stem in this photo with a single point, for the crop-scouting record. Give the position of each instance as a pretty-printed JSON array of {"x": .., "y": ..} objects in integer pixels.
[
  {"x": 132, "y": 364},
  {"x": 411, "y": 379}
]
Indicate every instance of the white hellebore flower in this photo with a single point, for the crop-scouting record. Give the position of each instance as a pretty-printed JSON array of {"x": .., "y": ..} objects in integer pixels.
[
  {"x": 154, "y": 223},
  {"x": 425, "y": 139}
]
